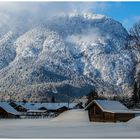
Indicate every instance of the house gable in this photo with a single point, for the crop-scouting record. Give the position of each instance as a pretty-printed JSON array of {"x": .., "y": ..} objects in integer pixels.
[{"x": 108, "y": 111}]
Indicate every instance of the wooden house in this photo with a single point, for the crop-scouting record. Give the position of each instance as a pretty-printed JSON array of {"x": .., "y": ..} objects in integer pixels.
[
  {"x": 61, "y": 107},
  {"x": 21, "y": 108},
  {"x": 108, "y": 111},
  {"x": 7, "y": 111},
  {"x": 56, "y": 107},
  {"x": 30, "y": 106},
  {"x": 25, "y": 106},
  {"x": 32, "y": 109}
]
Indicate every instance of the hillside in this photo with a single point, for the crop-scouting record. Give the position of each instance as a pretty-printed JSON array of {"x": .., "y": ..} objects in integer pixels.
[{"x": 66, "y": 57}]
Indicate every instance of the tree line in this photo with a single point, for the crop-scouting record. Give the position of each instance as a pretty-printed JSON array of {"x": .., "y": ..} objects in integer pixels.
[{"x": 134, "y": 35}]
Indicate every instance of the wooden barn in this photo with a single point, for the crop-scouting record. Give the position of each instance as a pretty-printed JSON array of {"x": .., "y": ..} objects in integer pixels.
[
  {"x": 7, "y": 111},
  {"x": 108, "y": 111}
]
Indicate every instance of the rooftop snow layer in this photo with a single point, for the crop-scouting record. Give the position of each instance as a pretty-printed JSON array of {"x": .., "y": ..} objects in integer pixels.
[
  {"x": 49, "y": 106},
  {"x": 135, "y": 122},
  {"x": 8, "y": 108},
  {"x": 110, "y": 105},
  {"x": 58, "y": 105}
]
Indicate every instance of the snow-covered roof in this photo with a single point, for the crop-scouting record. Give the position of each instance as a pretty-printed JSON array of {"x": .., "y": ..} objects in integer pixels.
[
  {"x": 54, "y": 106},
  {"x": 49, "y": 106},
  {"x": 28, "y": 106},
  {"x": 111, "y": 106},
  {"x": 8, "y": 108}
]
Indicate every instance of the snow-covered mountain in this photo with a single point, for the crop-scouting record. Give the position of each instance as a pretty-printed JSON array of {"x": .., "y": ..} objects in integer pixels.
[{"x": 67, "y": 56}]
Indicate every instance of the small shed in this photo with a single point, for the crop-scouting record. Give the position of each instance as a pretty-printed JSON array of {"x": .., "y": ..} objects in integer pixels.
[
  {"x": 7, "y": 111},
  {"x": 108, "y": 111}
]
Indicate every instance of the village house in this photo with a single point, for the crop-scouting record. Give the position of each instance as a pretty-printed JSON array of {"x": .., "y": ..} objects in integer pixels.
[
  {"x": 21, "y": 108},
  {"x": 56, "y": 108},
  {"x": 7, "y": 111},
  {"x": 30, "y": 109},
  {"x": 61, "y": 107},
  {"x": 109, "y": 111},
  {"x": 40, "y": 109}
]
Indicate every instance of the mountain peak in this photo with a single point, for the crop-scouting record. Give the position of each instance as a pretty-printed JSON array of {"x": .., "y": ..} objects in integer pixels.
[
  {"x": 75, "y": 52},
  {"x": 87, "y": 15}
]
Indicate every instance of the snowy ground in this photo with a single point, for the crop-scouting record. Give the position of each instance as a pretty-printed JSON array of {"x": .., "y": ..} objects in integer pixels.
[{"x": 70, "y": 124}]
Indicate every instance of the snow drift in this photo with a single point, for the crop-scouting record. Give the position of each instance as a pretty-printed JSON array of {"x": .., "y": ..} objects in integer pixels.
[
  {"x": 134, "y": 123},
  {"x": 72, "y": 116},
  {"x": 66, "y": 128}
]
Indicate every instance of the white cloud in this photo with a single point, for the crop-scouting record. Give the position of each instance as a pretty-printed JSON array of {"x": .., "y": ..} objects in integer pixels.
[
  {"x": 87, "y": 36},
  {"x": 50, "y": 8},
  {"x": 32, "y": 13},
  {"x": 4, "y": 18}
]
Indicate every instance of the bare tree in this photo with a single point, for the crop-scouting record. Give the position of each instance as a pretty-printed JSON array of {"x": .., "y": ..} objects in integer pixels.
[{"x": 135, "y": 35}]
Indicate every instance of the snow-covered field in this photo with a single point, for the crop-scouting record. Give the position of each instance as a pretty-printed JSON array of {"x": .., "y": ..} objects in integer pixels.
[{"x": 70, "y": 124}]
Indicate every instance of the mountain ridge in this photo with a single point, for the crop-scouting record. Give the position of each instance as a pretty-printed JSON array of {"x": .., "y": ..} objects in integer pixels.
[{"x": 87, "y": 51}]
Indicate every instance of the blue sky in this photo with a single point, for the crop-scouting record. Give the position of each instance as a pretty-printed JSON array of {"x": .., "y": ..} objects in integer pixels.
[{"x": 125, "y": 12}]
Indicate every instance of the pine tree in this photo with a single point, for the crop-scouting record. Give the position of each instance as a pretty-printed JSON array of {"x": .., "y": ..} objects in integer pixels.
[
  {"x": 53, "y": 99},
  {"x": 135, "y": 92},
  {"x": 93, "y": 95},
  {"x": 24, "y": 101}
]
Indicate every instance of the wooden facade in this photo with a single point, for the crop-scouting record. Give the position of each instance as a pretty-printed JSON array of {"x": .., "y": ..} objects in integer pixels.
[{"x": 96, "y": 114}]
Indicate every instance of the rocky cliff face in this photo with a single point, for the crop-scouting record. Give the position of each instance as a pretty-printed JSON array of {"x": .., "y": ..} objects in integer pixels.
[{"x": 67, "y": 57}]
